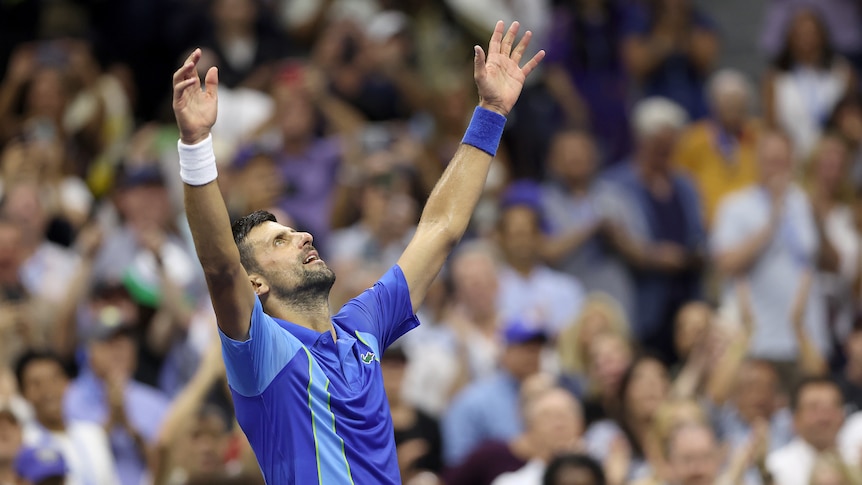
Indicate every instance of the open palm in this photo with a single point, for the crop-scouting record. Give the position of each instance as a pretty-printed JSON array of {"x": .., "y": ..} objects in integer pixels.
[
  {"x": 499, "y": 75},
  {"x": 195, "y": 109}
]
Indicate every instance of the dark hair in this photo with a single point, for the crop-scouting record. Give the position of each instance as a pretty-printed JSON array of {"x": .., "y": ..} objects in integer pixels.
[
  {"x": 33, "y": 356},
  {"x": 784, "y": 61},
  {"x": 623, "y": 409},
  {"x": 241, "y": 227},
  {"x": 811, "y": 381},
  {"x": 562, "y": 462}
]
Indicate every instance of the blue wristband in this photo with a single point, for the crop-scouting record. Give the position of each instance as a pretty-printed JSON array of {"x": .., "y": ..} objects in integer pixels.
[{"x": 485, "y": 130}]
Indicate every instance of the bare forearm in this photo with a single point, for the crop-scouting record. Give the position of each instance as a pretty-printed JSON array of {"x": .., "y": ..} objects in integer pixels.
[
  {"x": 456, "y": 194},
  {"x": 739, "y": 259}
]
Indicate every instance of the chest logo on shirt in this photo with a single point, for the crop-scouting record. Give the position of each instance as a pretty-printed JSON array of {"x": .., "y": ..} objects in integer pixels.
[{"x": 367, "y": 357}]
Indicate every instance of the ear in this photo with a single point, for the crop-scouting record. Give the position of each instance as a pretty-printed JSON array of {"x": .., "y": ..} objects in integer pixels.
[{"x": 259, "y": 284}]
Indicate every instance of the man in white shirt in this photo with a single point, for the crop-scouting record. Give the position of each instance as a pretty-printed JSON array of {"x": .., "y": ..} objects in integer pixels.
[
  {"x": 84, "y": 446},
  {"x": 530, "y": 289},
  {"x": 818, "y": 415},
  {"x": 766, "y": 235}
]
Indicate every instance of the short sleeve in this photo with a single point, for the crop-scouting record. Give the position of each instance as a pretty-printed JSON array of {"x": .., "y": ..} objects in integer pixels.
[
  {"x": 384, "y": 311},
  {"x": 253, "y": 364}
]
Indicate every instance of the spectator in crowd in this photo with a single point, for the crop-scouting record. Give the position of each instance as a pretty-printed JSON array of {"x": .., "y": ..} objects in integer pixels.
[
  {"x": 609, "y": 355},
  {"x": 529, "y": 289},
  {"x": 695, "y": 457},
  {"x": 106, "y": 394},
  {"x": 85, "y": 448},
  {"x": 417, "y": 435},
  {"x": 494, "y": 457},
  {"x": 693, "y": 322},
  {"x": 472, "y": 418},
  {"x": 846, "y": 123},
  {"x": 254, "y": 184},
  {"x": 818, "y": 415},
  {"x": 47, "y": 267},
  {"x": 243, "y": 43},
  {"x": 841, "y": 18},
  {"x": 660, "y": 232},
  {"x": 766, "y": 236},
  {"x": 41, "y": 466},
  {"x": 644, "y": 387},
  {"x": 576, "y": 203},
  {"x": 10, "y": 444},
  {"x": 805, "y": 82},
  {"x": 554, "y": 424},
  {"x": 669, "y": 49},
  {"x": 600, "y": 314},
  {"x": 308, "y": 161},
  {"x": 719, "y": 153},
  {"x": 465, "y": 346},
  {"x": 574, "y": 469},
  {"x": 196, "y": 436},
  {"x": 585, "y": 73},
  {"x": 830, "y": 191}
]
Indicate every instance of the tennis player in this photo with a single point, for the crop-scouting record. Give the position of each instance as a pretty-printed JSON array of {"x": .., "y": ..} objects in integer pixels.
[{"x": 307, "y": 385}]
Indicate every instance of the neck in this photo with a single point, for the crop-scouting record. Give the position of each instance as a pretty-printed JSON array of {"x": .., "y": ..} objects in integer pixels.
[
  {"x": 53, "y": 425},
  {"x": 295, "y": 145},
  {"x": 522, "y": 266},
  {"x": 306, "y": 312},
  {"x": 578, "y": 187}
]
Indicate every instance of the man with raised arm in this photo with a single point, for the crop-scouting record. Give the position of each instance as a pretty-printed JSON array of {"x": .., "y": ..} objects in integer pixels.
[{"x": 307, "y": 385}]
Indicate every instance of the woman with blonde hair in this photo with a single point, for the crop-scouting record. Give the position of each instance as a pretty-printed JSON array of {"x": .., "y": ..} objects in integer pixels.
[{"x": 600, "y": 313}]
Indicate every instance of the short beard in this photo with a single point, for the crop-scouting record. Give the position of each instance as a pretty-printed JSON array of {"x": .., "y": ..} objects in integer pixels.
[{"x": 311, "y": 293}]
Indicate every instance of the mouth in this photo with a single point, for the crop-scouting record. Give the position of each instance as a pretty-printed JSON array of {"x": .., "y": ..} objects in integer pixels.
[{"x": 312, "y": 257}]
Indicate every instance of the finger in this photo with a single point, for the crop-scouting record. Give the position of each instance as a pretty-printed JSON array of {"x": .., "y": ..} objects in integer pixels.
[
  {"x": 478, "y": 63},
  {"x": 212, "y": 81},
  {"x": 188, "y": 66},
  {"x": 521, "y": 47},
  {"x": 533, "y": 63},
  {"x": 496, "y": 38},
  {"x": 509, "y": 39}
]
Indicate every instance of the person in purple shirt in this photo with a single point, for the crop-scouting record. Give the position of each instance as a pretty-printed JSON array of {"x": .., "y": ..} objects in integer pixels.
[{"x": 106, "y": 394}]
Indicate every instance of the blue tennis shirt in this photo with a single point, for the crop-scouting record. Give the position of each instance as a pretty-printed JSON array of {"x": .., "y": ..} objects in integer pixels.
[{"x": 314, "y": 409}]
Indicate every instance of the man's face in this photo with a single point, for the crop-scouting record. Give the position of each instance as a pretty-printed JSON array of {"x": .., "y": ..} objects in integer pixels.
[
  {"x": 291, "y": 268},
  {"x": 145, "y": 206},
  {"x": 519, "y": 233},
  {"x": 775, "y": 157},
  {"x": 43, "y": 385},
  {"x": 208, "y": 442},
  {"x": 756, "y": 391},
  {"x": 554, "y": 420},
  {"x": 731, "y": 108},
  {"x": 573, "y": 157},
  {"x": 694, "y": 456},
  {"x": 474, "y": 278},
  {"x": 692, "y": 321},
  {"x": 113, "y": 357},
  {"x": 819, "y": 415},
  {"x": 522, "y": 360},
  {"x": 658, "y": 147},
  {"x": 10, "y": 439}
]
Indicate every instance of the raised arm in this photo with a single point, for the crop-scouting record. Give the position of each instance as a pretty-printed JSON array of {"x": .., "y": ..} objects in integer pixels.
[
  {"x": 499, "y": 79},
  {"x": 229, "y": 286}
]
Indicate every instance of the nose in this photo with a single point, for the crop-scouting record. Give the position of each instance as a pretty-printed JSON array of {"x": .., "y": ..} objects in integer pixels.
[{"x": 305, "y": 239}]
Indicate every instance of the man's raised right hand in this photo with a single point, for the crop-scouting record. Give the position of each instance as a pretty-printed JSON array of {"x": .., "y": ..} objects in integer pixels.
[{"x": 195, "y": 109}]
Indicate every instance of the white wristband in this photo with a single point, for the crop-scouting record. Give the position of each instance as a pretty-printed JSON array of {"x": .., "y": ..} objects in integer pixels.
[{"x": 197, "y": 162}]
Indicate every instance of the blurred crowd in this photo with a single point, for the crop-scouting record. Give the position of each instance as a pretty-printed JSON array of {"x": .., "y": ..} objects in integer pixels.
[{"x": 661, "y": 284}]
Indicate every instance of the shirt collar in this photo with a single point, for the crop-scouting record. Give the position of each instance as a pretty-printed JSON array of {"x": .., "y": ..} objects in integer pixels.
[{"x": 307, "y": 336}]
